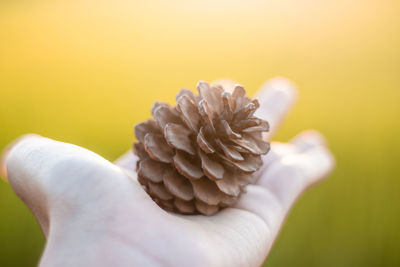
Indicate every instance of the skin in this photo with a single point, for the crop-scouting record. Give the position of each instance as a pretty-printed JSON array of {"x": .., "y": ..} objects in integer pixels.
[{"x": 94, "y": 212}]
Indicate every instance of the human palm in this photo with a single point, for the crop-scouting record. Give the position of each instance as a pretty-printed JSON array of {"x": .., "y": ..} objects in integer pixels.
[{"x": 95, "y": 213}]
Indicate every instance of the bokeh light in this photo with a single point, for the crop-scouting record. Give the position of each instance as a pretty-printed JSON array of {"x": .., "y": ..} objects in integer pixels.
[{"x": 86, "y": 71}]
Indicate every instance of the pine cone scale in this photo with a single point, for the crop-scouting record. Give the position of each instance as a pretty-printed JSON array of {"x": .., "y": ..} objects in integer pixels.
[
  {"x": 225, "y": 130},
  {"x": 160, "y": 191},
  {"x": 263, "y": 127},
  {"x": 190, "y": 115},
  {"x": 157, "y": 148},
  {"x": 205, "y": 208},
  {"x": 212, "y": 96},
  {"x": 211, "y": 168},
  {"x": 230, "y": 151},
  {"x": 203, "y": 143},
  {"x": 164, "y": 114},
  {"x": 249, "y": 143},
  {"x": 185, "y": 207},
  {"x": 152, "y": 170},
  {"x": 143, "y": 128},
  {"x": 229, "y": 184},
  {"x": 178, "y": 186},
  {"x": 187, "y": 168},
  {"x": 206, "y": 114},
  {"x": 140, "y": 151},
  {"x": 178, "y": 137},
  {"x": 188, "y": 93},
  {"x": 206, "y": 191}
]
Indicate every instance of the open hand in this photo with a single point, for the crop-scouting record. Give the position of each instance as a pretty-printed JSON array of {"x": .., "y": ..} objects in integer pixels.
[{"x": 94, "y": 212}]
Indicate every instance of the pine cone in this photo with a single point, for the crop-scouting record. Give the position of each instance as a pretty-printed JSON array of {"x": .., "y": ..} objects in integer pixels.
[{"x": 199, "y": 156}]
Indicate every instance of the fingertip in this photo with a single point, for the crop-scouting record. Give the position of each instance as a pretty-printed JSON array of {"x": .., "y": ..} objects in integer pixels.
[
  {"x": 319, "y": 164},
  {"x": 6, "y": 152},
  {"x": 330, "y": 158},
  {"x": 314, "y": 140},
  {"x": 280, "y": 87},
  {"x": 276, "y": 98},
  {"x": 308, "y": 139}
]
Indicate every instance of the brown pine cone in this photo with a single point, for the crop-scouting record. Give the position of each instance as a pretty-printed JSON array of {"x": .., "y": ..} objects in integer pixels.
[{"x": 199, "y": 156}]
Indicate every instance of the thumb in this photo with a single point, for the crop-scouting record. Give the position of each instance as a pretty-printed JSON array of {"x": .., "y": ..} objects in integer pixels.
[
  {"x": 16, "y": 165},
  {"x": 44, "y": 172}
]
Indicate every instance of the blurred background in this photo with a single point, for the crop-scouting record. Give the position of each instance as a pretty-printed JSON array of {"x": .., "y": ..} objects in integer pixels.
[{"x": 86, "y": 71}]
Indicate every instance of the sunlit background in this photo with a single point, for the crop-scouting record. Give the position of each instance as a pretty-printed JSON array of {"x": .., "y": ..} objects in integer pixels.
[{"x": 86, "y": 71}]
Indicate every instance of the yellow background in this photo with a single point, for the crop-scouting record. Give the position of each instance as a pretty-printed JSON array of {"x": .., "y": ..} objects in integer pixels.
[{"x": 86, "y": 71}]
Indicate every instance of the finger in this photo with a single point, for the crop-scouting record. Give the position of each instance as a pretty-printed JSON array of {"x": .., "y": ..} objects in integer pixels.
[
  {"x": 40, "y": 170},
  {"x": 293, "y": 173},
  {"x": 284, "y": 180},
  {"x": 33, "y": 161},
  {"x": 277, "y": 151},
  {"x": 300, "y": 143},
  {"x": 17, "y": 165},
  {"x": 30, "y": 158},
  {"x": 282, "y": 185},
  {"x": 6, "y": 151},
  {"x": 266, "y": 203},
  {"x": 276, "y": 97}
]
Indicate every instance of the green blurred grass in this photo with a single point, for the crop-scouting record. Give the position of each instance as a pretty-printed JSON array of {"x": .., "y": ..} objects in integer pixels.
[{"x": 86, "y": 73}]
